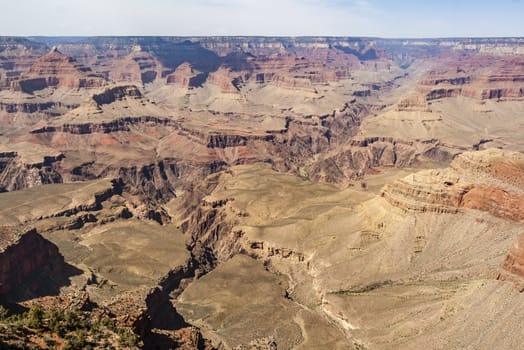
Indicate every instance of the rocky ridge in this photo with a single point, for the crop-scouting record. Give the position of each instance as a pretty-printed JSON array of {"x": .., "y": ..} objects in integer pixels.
[
  {"x": 57, "y": 70},
  {"x": 490, "y": 180},
  {"x": 180, "y": 137}
]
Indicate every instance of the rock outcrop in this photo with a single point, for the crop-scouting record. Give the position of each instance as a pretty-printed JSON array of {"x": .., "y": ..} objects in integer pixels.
[
  {"x": 46, "y": 108},
  {"x": 57, "y": 70},
  {"x": 475, "y": 76},
  {"x": 30, "y": 266},
  {"x": 173, "y": 190},
  {"x": 515, "y": 260},
  {"x": 184, "y": 76},
  {"x": 16, "y": 173},
  {"x": 413, "y": 103},
  {"x": 225, "y": 80},
  {"x": 137, "y": 67},
  {"x": 489, "y": 180},
  {"x": 117, "y": 93}
]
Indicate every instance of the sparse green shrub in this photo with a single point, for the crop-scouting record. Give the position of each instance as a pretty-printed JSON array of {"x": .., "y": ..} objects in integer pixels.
[
  {"x": 55, "y": 322},
  {"x": 76, "y": 329},
  {"x": 35, "y": 317},
  {"x": 76, "y": 340},
  {"x": 72, "y": 320},
  {"x": 108, "y": 323},
  {"x": 127, "y": 338},
  {"x": 3, "y": 313}
]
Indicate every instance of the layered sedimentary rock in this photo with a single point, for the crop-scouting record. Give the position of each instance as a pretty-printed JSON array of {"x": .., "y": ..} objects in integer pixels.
[
  {"x": 183, "y": 76},
  {"x": 58, "y": 70},
  {"x": 157, "y": 244},
  {"x": 489, "y": 180},
  {"x": 29, "y": 107},
  {"x": 413, "y": 103},
  {"x": 17, "y": 55},
  {"x": 117, "y": 93},
  {"x": 227, "y": 82},
  {"x": 475, "y": 76},
  {"x": 17, "y": 173},
  {"x": 134, "y": 294},
  {"x": 137, "y": 67},
  {"x": 312, "y": 240},
  {"x": 363, "y": 155}
]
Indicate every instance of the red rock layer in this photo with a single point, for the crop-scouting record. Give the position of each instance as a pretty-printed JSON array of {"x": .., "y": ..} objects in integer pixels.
[
  {"x": 58, "y": 70},
  {"x": 23, "y": 257},
  {"x": 495, "y": 200},
  {"x": 477, "y": 76},
  {"x": 489, "y": 180},
  {"x": 182, "y": 75},
  {"x": 137, "y": 67},
  {"x": 226, "y": 80}
]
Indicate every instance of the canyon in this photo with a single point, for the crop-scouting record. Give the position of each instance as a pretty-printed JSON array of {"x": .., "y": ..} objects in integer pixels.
[{"x": 266, "y": 193}]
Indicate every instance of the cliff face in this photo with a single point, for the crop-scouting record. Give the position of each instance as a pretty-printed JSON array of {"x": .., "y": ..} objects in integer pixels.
[
  {"x": 58, "y": 70},
  {"x": 183, "y": 76},
  {"x": 30, "y": 266},
  {"x": 225, "y": 80},
  {"x": 490, "y": 181},
  {"x": 16, "y": 174},
  {"x": 413, "y": 103},
  {"x": 181, "y": 135},
  {"x": 137, "y": 67},
  {"x": 17, "y": 57},
  {"x": 364, "y": 155},
  {"x": 46, "y": 108},
  {"x": 475, "y": 76},
  {"x": 117, "y": 93}
]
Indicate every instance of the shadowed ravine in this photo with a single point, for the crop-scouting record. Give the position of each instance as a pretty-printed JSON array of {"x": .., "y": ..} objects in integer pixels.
[{"x": 261, "y": 193}]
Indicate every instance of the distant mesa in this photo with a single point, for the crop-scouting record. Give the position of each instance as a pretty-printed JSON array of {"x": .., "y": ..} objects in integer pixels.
[
  {"x": 185, "y": 76},
  {"x": 226, "y": 80},
  {"x": 56, "y": 70},
  {"x": 138, "y": 67},
  {"x": 116, "y": 93}
]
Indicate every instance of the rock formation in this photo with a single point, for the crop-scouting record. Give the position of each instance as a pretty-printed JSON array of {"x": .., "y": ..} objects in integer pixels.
[
  {"x": 369, "y": 190},
  {"x": 30, "y": 266},
  {"x": 490, "y": 181},
  {"x": 183, "y": 76},
  {"x": 475, "y": 76},
  {"x": 515, "y": 260},
  {"x": 57, "y": 70},
  {"x": 225, "y": 81},
  {"x": 137, "y": 67}
]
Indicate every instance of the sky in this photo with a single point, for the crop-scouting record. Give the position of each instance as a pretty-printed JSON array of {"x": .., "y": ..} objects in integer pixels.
[{"x": 378, "y": 18}]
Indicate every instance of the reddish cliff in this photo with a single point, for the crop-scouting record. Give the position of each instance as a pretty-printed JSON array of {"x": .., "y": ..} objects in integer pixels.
[
  {"x": 226, "y": 80},
  {"x": 477, "y": 76},
  {"x": 137, "y": 67},
  {"x": 30, "y": 265},
  {"x": 182, "y": 75},
  {"x": 58, "y": 70},
  {"x": 488, "y": 180}
]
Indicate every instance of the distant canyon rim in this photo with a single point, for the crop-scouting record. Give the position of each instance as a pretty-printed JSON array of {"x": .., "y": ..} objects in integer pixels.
[{"x": 263, "y": 192}]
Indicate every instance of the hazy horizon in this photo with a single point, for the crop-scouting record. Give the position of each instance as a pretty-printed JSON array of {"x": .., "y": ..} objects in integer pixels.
[
  {"x": 257, "y": 36},
  {"x": 407, "y": 19}
]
